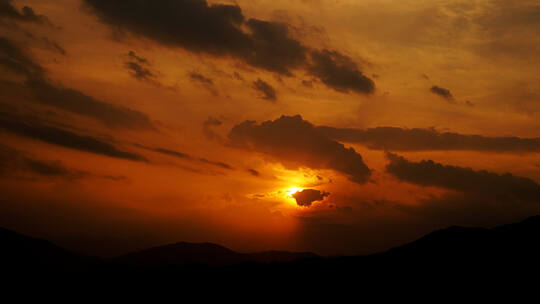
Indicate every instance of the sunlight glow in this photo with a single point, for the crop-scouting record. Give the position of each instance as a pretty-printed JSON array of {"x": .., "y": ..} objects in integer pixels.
[{"x": 293, "y": 190}]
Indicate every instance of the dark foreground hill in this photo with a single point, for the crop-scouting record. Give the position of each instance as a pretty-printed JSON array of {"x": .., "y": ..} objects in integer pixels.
[
  {"x": 474, "y": 255},
  {"x": 26, "y": 253},
  {"x": 204, "y": 254},
  {"x": 520, "y": 240}
]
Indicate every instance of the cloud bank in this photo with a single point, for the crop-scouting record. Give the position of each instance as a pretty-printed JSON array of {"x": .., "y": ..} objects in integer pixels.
[
  {"x": 429, "y": 173},
  {"x": 222, "y": 30},
  {"x": 292, "y": 140},
  {"x": 399, "y": 139}
]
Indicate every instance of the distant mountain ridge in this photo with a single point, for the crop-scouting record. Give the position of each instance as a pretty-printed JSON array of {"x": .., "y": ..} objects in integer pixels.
[
  {"x": 26, "y": 252},
  {"x": 508, "y": 244},
  {"x": 521, "y": 238},
  {"x": 207, "y": 254}
]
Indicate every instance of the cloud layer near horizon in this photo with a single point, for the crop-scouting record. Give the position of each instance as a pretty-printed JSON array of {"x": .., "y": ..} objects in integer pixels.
[
  {"x": 503, "y": 187},
  {"x": 416, "y": 139},
  {"x": 292, "y": 140}
]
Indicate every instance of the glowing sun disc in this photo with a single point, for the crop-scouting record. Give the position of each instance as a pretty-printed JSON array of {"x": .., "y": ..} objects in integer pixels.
[{"x": 293, "y": 190}]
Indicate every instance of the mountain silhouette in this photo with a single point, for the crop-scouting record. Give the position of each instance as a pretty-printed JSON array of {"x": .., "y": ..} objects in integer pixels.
[
  {"x": 461, "y": 244},
  {"x": 206, "y": 254},
  {"x": 454, "y": 250},
  {"x": 23, "y": 252}
]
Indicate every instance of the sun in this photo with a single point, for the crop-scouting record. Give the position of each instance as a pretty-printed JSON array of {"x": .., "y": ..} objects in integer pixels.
[
  {"x": 293, "y": 190},
  {"x": 287, "y": 195}
]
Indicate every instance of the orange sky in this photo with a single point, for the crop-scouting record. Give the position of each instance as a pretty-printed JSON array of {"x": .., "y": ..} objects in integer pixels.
[{"x": 125, "y": 125}]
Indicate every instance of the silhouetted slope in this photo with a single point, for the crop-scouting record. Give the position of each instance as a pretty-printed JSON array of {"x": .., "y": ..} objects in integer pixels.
[
  {"x": 503, "y": 246},
  {"x": 21, "y": 252},
  {"x": 522, "y": 238},
  {"x": 454, "y": 250},
  {"x": 526, "y": 228},
  {"x": 203, "y": 253},
  {"x": 280, "y": 256},
  {"x": 182, "y": 253},
  {"x": 454, "y": 241}
]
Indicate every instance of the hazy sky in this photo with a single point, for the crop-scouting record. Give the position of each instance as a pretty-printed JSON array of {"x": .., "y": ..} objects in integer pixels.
[{"x": 129, "y": 124}]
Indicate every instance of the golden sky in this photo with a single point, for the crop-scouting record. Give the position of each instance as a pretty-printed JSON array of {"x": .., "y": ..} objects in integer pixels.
[{"x": 332, "y": 126}]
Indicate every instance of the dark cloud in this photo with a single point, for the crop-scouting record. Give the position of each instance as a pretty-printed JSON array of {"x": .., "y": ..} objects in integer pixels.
[
  {"x": 64, "y": 138},
  {"x": 44, "y": 92},
  {"x": 269, "y": 93},
  {"x": 17, "y": 60},
  {"x": 46, "y": 42},
  {"x": 26, "y": 14},
  {"x": 171, "y": 152},
  {"x": 138, "y": 71},
  {"x": 274, "y": 50},
  {"x": 392, "y": 138},
  {"x": 53, "y": 45},
  {"x": 206, "y": 82},
  {"x": 294, "y": 141},
  {"x": 216, "y": 163},
  {"x": 444, "y": 93},
  {"x": 185, "y": 156},
  {"x": 254, "y": 172},
  {"x": 339, "y": 72},
  {"x": 207, "y": 128},
  {"x": 191, "y": 24},
  {"x": 223, "y": 30},
  {"x": 43, "y": 41},
  {"x": 201, "y": 78},
  {"x": 306, "y": 197},
  {"x": 215, "y": 29},
  {"x": 429, "y": 173},
  {"x": 137, "y": 58},
  {"x": 13, "y": 161},
  {"x": 51, "y": 169},
  {"x": 164, "y": 151},
  {"x": 79, "y": 103},
  {"x": 139, "y": 68}
]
